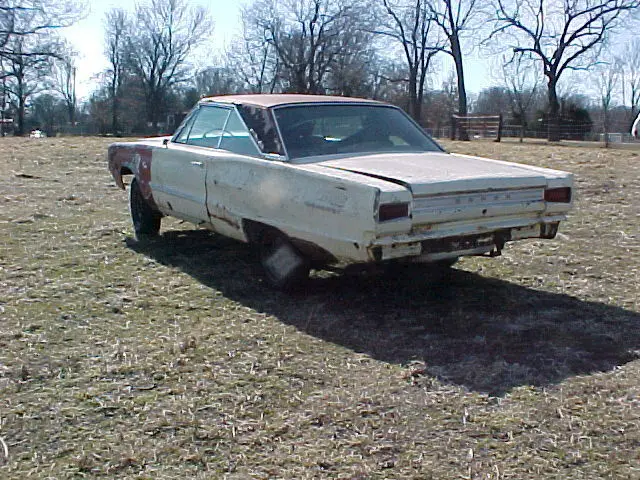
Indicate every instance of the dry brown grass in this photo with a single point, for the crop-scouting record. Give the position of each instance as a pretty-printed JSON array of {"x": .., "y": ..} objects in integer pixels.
[{"x": 175, "y": 361}]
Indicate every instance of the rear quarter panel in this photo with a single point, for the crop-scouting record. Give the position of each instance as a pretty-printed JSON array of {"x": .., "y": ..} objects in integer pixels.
[{"x": 331, "y": 210}]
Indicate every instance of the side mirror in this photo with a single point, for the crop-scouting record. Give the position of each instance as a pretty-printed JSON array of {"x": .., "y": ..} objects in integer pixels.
[{"x": 165, "y": 142}]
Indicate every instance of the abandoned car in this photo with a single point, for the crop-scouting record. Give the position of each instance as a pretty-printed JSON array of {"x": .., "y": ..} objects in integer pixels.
[{"x": 315, "y": 181}]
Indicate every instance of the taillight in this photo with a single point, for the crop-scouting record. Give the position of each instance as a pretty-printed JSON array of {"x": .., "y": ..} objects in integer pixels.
[
  {"x": 391, "y": 211},
  {"x": 558, "y": 195}
]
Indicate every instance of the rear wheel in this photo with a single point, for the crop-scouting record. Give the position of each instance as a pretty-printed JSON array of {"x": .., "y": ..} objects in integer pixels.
[
  {"x": 446, "y": 263},
  {"x": 146, "y": 221},
  {"x": 285, "y": 268}
]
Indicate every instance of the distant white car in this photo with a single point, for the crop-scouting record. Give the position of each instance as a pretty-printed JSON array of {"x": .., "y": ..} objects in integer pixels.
[
  {"x": 314, "y": 181},
  {"x": 37, "y": 134}
]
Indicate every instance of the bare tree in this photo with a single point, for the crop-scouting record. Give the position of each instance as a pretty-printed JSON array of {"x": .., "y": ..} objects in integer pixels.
[
  {"x": 253, "y": 57},
  {"x": 387, "y": 80},
  {"x": 165, "y": 33},
  {"x": 441, "y": 104},
  {"x": 48, "y": 111},
  {"x": 217, "y": 81},
  {"x": 354, "y": 71},
  {"x": 522, "y": 81},
  {"x": 492, "y": 101},
  {"x": 28, "y": 42},
  {"x": 25, "y": 74},
  {"x": 411, "y": 25},
  {"x": 454, "y": 17},
  {"x": 561, "y": 34},
  {"x": 306, "y": 37},
  {"x": 630, "y": 65},
  {"x": 607, "y": 79},
  {"x": 24, "y": 18},
  {"x": 117, "y": 27},
  {"x": 63, "y": 81}
]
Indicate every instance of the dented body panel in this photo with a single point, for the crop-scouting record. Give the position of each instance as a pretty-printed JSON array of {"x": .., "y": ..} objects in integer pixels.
[{"x": 355, "y": 208}]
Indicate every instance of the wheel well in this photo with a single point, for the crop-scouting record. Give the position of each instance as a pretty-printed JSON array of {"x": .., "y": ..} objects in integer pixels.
[
  {"x": 125, "y": 171},
  {"x": 256, "y": 231}
]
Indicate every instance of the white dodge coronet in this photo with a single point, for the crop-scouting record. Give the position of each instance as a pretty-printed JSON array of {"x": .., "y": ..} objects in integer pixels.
[{"x": 316, "y": 181}]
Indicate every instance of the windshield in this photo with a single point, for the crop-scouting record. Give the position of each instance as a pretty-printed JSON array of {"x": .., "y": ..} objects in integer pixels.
[{"x": 310, "y": 130}]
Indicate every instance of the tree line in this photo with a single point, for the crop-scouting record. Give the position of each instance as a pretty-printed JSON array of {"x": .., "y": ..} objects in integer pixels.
[{"x": 391, "y": 50}]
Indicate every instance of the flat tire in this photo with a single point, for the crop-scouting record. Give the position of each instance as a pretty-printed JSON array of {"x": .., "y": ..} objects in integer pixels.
[{"x": 146, "y": 221}]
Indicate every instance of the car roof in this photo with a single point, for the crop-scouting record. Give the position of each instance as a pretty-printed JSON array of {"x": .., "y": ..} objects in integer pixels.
[{"x": 272, "y": 100}]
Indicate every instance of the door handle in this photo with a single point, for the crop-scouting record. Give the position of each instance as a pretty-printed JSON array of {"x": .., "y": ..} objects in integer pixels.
[{"x": 197, "y": 164}]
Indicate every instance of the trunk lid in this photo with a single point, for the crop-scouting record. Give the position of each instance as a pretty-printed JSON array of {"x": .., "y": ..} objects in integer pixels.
[
  {"x": 448, "y": 187},
  {"x": 440, "y": 173}
]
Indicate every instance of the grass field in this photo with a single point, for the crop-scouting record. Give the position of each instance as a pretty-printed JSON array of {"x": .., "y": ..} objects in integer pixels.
[{"x": 176, "y": 361}]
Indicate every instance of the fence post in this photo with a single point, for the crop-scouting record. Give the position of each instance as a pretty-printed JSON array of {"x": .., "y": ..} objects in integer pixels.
[{"x": 499, "y": 137}]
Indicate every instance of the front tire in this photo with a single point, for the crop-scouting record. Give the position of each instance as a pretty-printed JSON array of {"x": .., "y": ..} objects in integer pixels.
[
  {"x": 146, "y": 221},
  {"x": 285, "y": 268}
]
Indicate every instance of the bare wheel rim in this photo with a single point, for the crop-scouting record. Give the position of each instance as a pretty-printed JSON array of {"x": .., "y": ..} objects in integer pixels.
[{"x": 284, "y": 267}]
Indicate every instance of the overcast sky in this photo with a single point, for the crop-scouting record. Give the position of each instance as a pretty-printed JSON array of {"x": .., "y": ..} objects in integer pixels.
[{"x": 87, "y": 37}]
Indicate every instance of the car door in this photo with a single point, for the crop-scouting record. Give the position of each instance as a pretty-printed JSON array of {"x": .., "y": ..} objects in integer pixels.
[
  {"x": 179, "y": 170},
  {"x": 231, "y": 170}
]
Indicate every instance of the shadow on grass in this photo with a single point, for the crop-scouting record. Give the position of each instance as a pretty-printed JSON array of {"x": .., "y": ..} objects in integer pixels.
[{"x": 486, "y": 334}]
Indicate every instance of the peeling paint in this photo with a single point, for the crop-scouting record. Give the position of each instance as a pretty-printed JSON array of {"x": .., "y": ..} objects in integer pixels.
[{"x": 136, "y": 158}]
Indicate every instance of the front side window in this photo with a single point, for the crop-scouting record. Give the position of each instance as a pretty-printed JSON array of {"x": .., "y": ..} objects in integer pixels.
[
  {"x": 206, "y": 128},
  {"x": 236, "y": 138},
  {"x": 316, "y": 130},
  {"x": 182, "y": 132}
]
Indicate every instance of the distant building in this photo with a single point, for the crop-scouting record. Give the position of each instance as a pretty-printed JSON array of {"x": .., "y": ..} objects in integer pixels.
[{"x": 6, "y": 126}]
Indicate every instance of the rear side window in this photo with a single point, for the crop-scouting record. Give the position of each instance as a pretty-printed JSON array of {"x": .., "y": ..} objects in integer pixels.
[{"x": 260, "y": 122}]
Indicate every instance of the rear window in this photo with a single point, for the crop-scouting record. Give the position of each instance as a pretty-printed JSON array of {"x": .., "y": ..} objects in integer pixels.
[{"x": 316, "y": 130}]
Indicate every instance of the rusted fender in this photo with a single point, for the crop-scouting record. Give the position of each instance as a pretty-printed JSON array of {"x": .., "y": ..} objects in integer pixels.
[{"x": 135, "y": 159}]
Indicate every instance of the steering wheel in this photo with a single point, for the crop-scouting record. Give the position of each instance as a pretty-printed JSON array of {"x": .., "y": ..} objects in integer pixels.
[{"x": 214, "y": 132}]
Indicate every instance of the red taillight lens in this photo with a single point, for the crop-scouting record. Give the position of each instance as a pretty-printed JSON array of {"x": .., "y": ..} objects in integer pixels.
[
  {"x": 558, "y": 195},
  {"x": 391, "y": 211}
]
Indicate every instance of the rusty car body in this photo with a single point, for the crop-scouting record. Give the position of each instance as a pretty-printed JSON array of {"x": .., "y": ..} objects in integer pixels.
[{"x": 316, "y": 181}]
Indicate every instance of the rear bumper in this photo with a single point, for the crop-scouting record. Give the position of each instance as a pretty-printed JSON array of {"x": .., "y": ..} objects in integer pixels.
[{"x": 462, "y": 238}]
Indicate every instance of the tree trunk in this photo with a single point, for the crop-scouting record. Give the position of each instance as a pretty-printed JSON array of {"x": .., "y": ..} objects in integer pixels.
[
  {"x": 71, "y": 112},
  {"x": 115, "y": 105},
  {"x": 154, "y": 111},
  {"x": 462, "y": 91},
  {"x": 606, "y": 127},
  {"x": 420, "y": 95},
  {"x": 21, "y": 109},
  {"x": 413, "y": 96},
  {"x": 553, "y": 132},
  {"x": 418, "y": 109}
]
